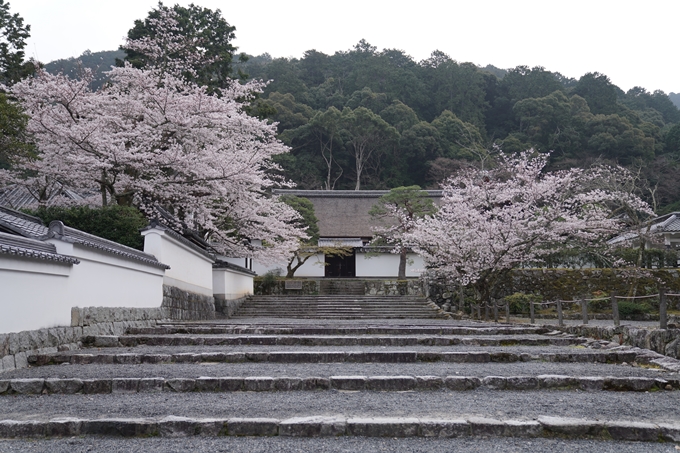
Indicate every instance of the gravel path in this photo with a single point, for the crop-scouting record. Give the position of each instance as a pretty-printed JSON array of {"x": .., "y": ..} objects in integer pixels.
[
  {"x": 331, "y": 369},
  {"x": 658, "y": 406},
  {"x": 328, "y": 445}
]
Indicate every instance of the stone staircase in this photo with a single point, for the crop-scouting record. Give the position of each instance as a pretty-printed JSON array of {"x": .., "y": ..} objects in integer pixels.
[
  {"x": 342, "y": 385},
  {"x": 338, "y": 307}
]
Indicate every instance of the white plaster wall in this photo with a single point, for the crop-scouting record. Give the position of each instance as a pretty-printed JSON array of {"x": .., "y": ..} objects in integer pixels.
[
  {"x": 387, "y": 265},
  {"x": 231, "y": 284},
  {"x": 33, "y": 294},
  {"x": 314, "y": 267},
  {"x": 189, "y": 269},
  {"x": 36, "y": 294}
]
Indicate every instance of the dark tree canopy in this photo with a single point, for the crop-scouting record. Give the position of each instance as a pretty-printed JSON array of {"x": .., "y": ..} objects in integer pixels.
[
  {"x": 14, "y": 35},
  {"x": 203, "y": 24}
]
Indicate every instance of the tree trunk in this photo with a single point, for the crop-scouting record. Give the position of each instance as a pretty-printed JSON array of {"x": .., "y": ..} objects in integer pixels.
[{"x": 402, "y": 265}]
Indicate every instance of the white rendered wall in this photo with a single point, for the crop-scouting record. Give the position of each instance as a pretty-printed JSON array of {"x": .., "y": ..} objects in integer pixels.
[
  {"x": 387, "y": 265},
  {"x": 230, "y": 284},
  {"x": 314, "y": 267},
  {"x": 189, "y": 270},
  {"x": 35, "y": 294}
]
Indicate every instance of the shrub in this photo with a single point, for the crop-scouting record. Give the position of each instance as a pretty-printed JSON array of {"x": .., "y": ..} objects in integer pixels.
[
  {"x": 519, "y": 302},
  {"x": 628, "y": 308},
  {"x": 269, "y": 282},
  {"x": 116, "y": 223}
]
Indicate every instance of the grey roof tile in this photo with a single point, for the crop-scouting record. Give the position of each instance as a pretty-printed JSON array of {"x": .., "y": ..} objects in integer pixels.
[{"x": 11, "y": 244}]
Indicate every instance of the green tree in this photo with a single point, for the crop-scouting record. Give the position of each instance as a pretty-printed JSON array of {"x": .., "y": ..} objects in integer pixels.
[
  {"x": 368, "y": 136},
  {"x": 14, "y": 35},
  {"x": 206, "y": 27},
  {"x": 400, "y": 208},
  {"x": 13, "y": 139},
  {"x": 599, "y": 92}
]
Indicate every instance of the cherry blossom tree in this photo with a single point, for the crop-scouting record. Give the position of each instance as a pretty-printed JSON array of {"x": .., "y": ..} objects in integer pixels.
[
  {"x": 495, "y": 220},
  {"x": 152, "y": 138}
]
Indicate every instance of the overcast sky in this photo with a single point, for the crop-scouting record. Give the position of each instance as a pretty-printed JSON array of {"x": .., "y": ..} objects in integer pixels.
[{"x": 632, "y": 42}]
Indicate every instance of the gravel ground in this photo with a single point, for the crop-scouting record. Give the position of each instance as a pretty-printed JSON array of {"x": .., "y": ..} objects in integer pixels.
[
  {"x": 331, "y": 369},
  {"x": 656, "y": 406},
  {"x": 328, "y": 445}
]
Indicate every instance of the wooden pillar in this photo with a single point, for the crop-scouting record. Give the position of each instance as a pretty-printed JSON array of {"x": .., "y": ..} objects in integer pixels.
[
  {"x": 584, "y": 311},
  {"x": 663, "y": 308},
  {"x": 507, "y": 311},
  {"x": 495, "y": 310},
  {"x": 531, "y": 311},
  {"x": 560, "y": 317},
  {"x": 615, "y": 310}
]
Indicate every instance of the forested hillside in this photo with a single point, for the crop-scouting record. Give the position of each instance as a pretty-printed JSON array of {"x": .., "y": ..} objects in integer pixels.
[{"x": 369, "y": 119}]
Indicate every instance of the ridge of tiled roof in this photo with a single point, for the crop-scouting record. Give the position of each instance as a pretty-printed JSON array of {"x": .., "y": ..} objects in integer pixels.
[
  {"x": 11, "y": 244},
  {"x": 58, "y": 230},
  {"x": 19, "y": 197}
]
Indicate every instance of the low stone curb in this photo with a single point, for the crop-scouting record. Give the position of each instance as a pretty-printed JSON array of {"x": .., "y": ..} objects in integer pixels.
[
  {"x": 331, "y": 357},
  {"x": 106, "y": 341},
  {"x": 333, "y": 426},
  {"x": 174, "y": 329},
  {"x": 345, "y": 383}
]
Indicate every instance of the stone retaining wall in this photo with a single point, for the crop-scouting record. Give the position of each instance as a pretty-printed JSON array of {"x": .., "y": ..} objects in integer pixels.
[
  {"x": 227, "y": 307},
  {"x": 662, "y": 341},
  {"x": 185, "y": 306}
]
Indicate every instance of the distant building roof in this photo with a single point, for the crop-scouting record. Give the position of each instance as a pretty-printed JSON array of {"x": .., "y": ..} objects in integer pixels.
[
  {"x": 19, "y": 197},
  {"x": 668, "y": 223},
  {"x": 15, "y": 222},
  {"x": 344, "y": 213}
]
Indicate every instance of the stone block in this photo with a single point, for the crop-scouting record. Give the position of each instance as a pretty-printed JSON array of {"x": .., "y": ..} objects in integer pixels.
[
  {"x": 444, "y": 428},
  {"x": 285, "y": 383},
  {"x": 521, "y": 383},
  {"x": 156, "y": 358},
  {"x": 180, "y": 385},
  {"x": 629, "y": 384},
  {"x": 590, "y": 383},
  {"x": 503, "y": 357},
  {"x": 259, "y": 356},
  {"x": 522, "y": 428},
  {"x": 556, "y": 381},
  {"x": 64, "y": 386},
  {"x": 97, "y": 386},
  {"x": 459, "y": 383},
  {"x": 4, "y": 386},
  {"x": 252, "y": 427},
  {"x": 106, "y": 341},
  {"x": 495, "y": 382},
  {"x": 207, "y": 384},
  {"x": 313, "y": 427},
  {"x": 390, "y": 383},
  {"x": 235, "y": 357},
  {"x": 21, "y": 360},
  {"x": 216, "y": 357},
  {"x": 429, "y": 382},
  {"x": 670, "y": 432},
  {"x": 151, "y": 385},
  {"x": 124, "y": 385},
  {"x": 572, "y": 427},
  {"x": 10, "y": 429},
  {"x": 119, "y": 427},
  {"x": 486, "y": 427},
  {"x": 8, "y": 363},
  {"x": 231, "y": 384},
  {"x": 259, "y": 384},
  {"x": 383, "y": 427},
  {"x": 315, "y": 383},
  {"x": 186, "y": 357},
  {"x": 348, "y": 382},
  {"x": 65, "y": 427},
  {"x": 27, "y": 386},
  {"x": 637, "y": 431}
]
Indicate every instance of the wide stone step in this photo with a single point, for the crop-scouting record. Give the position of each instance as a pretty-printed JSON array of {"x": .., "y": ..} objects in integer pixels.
[
  {"x": 346, "y": 383},
  {"x": 340, "y": 425},
  {"x": 325, "y": 340},
  {"x": 216, "y": 329},
  {"x": 628, "y": 356}
]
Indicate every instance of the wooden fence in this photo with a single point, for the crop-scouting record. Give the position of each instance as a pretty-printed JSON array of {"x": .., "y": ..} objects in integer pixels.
[{"x": 582, "y": 302}]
